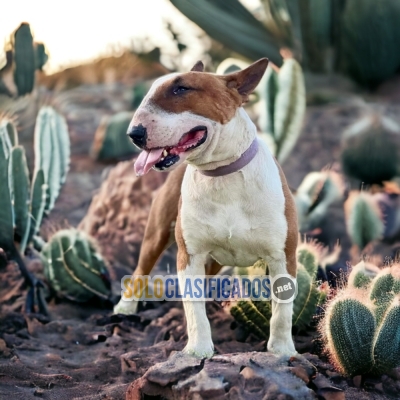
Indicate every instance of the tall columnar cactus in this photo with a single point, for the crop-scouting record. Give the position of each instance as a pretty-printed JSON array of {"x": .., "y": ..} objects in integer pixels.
[
  {"x": 316, "y": 193},
  {"x": 364, "y": 220},
  {"x": 24, "y": 59},
  {"x": 370, "y": 150},
  {"x": 111, "y": 141},
  {"x": 361, "y": 326},
  {"x": 281, "y": 104},
  {"x": 52, "y": 151},
  {"x": 255, "y": 315},
  {"x": 74, "y": 268},
  {"x": 23, "y": 205}
]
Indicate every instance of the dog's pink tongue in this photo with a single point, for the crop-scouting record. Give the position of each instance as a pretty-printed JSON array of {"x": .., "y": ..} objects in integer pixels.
[{"x": 146, "y": 160}]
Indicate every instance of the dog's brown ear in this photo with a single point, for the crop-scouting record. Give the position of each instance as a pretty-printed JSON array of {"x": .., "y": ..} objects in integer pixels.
[
  {"x": 198, "y": 67},
  {"x": 246, "y": 80}
]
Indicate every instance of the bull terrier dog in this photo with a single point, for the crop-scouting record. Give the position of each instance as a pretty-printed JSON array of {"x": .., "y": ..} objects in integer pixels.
[{"x": 234, "y": 206}]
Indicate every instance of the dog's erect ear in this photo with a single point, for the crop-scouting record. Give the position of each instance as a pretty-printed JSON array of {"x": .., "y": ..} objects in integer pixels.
[
  {"x": 198, "y": 67},
  {"x": 246, "y": 80}
]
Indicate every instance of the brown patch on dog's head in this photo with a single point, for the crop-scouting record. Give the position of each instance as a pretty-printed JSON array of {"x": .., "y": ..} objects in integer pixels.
[{"x": 215, "y": 97}]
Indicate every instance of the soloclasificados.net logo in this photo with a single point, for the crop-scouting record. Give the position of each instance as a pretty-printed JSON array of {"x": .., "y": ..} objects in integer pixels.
[{"x": 281, "y": 288}]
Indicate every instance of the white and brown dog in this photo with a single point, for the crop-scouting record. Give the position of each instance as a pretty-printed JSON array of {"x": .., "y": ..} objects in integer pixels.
[{"x": 235, "y": 206}]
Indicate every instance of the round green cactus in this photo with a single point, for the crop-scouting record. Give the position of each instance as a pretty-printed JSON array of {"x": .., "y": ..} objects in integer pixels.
[{"x": 74, "y": 268}]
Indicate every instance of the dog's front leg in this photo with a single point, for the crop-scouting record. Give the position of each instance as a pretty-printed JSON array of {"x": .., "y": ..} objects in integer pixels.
[
  {"x": 198, "y": 327},
  {"x": 280, "y": 337}
]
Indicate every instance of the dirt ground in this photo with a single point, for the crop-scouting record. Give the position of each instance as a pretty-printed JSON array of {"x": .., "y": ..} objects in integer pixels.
[{"x": 85, "y": 352}]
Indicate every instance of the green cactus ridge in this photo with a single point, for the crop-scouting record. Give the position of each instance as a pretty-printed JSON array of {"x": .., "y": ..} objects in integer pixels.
[
  {"x": 386, "y": 352},
  {"x": 52, "y": 154},
  {"x": 351, "y": 327},
  {"x": 19, "y": 187},
  {"x": 73, "y": 267}
]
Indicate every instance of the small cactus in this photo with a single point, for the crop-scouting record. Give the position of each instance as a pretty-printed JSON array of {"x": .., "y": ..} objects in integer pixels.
[
  {"x": 41, "y": 56},
  {"x": 361, "y": 326},
  {"x": 364, "y": 218},
  {"x": 24, "y": 59},
  {"x": 74, "y": 268},
  {"x": 255, "y": 315},
  {"x": 316, "y": 193},
  {"x": 111, "y": 141}
]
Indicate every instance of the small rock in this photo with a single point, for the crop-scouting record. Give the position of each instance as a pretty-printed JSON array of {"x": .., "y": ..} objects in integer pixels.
[{"x": 301, "y": 373}]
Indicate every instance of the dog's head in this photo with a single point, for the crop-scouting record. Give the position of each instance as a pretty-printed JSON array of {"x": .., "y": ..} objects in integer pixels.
[{"x": 183, "y": 113}]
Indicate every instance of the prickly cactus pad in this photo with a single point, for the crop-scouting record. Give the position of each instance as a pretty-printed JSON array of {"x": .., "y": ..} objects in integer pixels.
[
  {"x": 350, "y": 327},
  {"x": 74, "y": 268}
]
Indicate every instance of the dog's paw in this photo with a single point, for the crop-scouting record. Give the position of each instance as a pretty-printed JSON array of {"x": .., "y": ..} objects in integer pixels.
[
  {"x": 126, "y": 307},
  {"x": 205, "y": 351},
  {"x": 282, "y": 348}
]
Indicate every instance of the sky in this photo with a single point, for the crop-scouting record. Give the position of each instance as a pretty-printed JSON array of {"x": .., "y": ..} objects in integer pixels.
[{"x": 80, "y": 30}]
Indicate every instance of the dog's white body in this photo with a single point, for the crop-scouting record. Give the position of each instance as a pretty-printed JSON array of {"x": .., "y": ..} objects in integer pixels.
[{"x": 236, "y": 219}]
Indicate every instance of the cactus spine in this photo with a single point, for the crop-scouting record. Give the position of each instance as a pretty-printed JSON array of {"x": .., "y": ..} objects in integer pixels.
[
  {"x": 74, "y": 268},
  {"x": 111, "y": 141},
  {"x": 361, "y": 326}
]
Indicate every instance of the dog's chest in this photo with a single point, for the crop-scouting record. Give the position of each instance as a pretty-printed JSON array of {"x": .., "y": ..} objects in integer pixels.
[{"x": 237, "y": 219}]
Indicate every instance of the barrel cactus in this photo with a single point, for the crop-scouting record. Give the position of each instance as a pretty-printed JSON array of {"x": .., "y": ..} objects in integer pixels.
[
  {"x": 255, "y": 315},
  {"x": 111, "y": 141},
  {"x": 74, "y": 268},
  {"x": 370, "y": 150},
  {"x": 361, "y": 326}
]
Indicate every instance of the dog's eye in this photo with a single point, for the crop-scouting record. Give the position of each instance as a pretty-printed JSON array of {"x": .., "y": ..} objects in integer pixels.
[{"x": 180, "y": 89}]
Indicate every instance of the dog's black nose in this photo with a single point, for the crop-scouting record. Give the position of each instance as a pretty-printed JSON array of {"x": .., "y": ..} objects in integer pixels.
[{"x": 138, "y": 134}]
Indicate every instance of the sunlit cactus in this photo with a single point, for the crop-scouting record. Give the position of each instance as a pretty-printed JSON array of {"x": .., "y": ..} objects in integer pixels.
[
  {"x": 361, "y": 326},
  {"x": 74, "y": 268}
]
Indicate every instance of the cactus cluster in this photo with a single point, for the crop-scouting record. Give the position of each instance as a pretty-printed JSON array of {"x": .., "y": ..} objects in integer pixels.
[
  {"x": 111, "y": 141},
  {"x": 22, "y": 203},
  {"x": 24, "y": 57},
  {"x": 74, "y": 267},
  {"x": 281, "y": 104},
  {"x": 324, "y": 35},
  {"x": 361, "y": 326},
  {"x": 255, "y": 315}
]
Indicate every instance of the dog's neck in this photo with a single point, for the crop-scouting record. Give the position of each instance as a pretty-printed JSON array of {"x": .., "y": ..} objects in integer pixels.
[{"x": 228, "y": 144}]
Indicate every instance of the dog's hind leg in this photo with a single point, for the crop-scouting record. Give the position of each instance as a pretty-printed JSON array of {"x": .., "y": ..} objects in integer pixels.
[
  {"x": 159, "y": 233},
  {"x": 280, "y": 337}
]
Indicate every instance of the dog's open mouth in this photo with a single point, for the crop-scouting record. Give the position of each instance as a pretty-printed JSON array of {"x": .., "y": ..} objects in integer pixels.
[{"x": 165, "y": 157}]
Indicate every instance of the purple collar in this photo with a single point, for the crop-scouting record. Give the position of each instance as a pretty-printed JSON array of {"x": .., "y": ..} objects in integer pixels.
[{"x": 241, "y": 162}]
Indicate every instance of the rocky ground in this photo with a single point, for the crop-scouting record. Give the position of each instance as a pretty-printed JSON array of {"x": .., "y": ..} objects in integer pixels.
[{"x": 84, "y": 352}]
